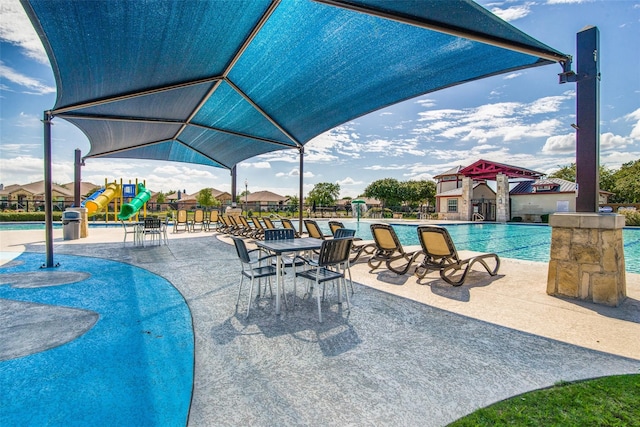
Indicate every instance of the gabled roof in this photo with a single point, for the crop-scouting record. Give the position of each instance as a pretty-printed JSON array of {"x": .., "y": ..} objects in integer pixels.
[
  {"x": 453, "y": 171},
  {"x": 37, "y": 189},
  {"x": 265, "y": 196},
  {"x": 218, "y": 82},
  {"x": 558, "y": 186},
  {"x": 85, "y": 187},
  {"x": 485, "y": 169}
]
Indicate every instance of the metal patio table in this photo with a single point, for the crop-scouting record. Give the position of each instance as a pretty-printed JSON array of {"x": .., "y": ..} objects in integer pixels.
[{"x": 279, "y": 247}]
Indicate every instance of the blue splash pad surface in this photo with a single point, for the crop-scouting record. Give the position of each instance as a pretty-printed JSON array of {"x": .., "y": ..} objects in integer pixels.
[{"x": 133, "y": 367}]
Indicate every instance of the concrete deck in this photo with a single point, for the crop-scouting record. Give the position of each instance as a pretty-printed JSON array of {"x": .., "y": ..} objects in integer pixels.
[{"x": 410, "y": 352}]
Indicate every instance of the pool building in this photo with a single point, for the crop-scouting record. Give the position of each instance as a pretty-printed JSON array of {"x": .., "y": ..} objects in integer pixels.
[{"x": 464, "y": 193}]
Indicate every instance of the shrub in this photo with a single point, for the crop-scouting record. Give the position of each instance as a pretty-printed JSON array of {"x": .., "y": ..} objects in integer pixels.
[
  {"x": 516, "y": 219},
  {"x": 544, "y": 218},
  {"x": 631, "y": 217},
  {"x": 27, "y": 216}
]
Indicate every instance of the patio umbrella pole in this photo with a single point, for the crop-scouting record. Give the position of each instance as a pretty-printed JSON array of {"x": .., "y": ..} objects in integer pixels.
[{"x": 48, "y": 208}]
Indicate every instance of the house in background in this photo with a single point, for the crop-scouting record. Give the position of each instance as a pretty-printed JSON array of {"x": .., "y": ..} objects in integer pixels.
[
  {"x": 263, "y": 201},
  {"x": 532, "y": 199},
  {"x": 448, "y": 203},
  {"x": 30, "y": 197},
  {"x": 465, "y": 193}
]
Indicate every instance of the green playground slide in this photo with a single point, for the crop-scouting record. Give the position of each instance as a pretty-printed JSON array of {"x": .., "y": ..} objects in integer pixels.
[{"x": 130, "y": 209}]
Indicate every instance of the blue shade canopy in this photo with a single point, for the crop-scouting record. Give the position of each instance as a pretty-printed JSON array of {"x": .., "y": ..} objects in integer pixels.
[{"x": 217, "y": 82}]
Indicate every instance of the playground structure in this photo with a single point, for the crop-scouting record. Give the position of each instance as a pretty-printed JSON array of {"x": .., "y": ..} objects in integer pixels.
[{"x": 116, "y": 194}]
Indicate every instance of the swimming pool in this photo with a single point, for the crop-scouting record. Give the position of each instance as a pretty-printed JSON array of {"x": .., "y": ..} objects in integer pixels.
[{"x": 530, "y": 242}]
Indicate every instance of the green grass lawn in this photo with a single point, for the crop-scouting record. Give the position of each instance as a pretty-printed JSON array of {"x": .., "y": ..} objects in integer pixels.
[{"x": 607, "y": 401}]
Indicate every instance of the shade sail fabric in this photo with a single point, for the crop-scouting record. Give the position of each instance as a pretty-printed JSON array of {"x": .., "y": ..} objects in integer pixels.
[{"x": 218, "y": 82}]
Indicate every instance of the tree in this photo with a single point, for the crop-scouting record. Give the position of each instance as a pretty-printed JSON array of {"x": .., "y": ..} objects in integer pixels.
[
  {"x": 627, "y": 183},
  {"x": 294, "y": 201},
  {"x": 607, "y": 177},
  {"x": 324, "y": 194},
  {"x": 386, "y": 190},
  {"x": 567, "y": 173},
  {"x": 417, "y": 192},
  {"x": 205, "y": 198},
  {"x": 161, "y": 197}
]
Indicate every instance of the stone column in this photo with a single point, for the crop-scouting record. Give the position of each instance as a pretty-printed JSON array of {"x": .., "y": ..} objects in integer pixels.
[
  {"x": 503, "y": 213},
  {"x": 466, "y": 210},
  {"x": 587, "y": 257}
]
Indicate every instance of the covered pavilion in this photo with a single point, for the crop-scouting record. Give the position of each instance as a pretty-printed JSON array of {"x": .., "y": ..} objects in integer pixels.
[{"x": 216, "y": 83}]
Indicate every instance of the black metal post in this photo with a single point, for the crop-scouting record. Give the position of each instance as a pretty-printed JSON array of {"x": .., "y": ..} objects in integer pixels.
[
  {"x": 233, "y": 186},
  {"x": 301, "y": 190},
  {"x": 77, "y": 178},
  {"x": 48, "y": 207},
  {"x": 588, "y": 120}
]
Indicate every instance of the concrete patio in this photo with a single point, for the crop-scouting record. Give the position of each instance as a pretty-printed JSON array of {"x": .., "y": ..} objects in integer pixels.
[{"x": 409, "y": 352}]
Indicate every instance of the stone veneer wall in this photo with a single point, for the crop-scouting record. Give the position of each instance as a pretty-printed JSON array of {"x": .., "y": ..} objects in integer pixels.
[
  {"x": 502, "y": 198},
  {"x": 587, "y": 257},
  {"x": 466, "y": 210}
]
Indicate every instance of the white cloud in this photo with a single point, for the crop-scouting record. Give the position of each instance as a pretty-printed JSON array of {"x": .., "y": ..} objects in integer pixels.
[
  {"x": 255, "y": 165},
  {"x": 635, "y": 130},
  {"x": 15, "y": 28},
  {"x": 560, "y": 144},
  {"x": 512, "y": 76},
  {"x": 609, "y": 141},
  {"x": 348, "y": 181},
  {"x": 566, "y": 1},
  {"x": 501, "y": 121},
  {"x": 31, "y": 85},
  {"x": 512, "y": 13}
]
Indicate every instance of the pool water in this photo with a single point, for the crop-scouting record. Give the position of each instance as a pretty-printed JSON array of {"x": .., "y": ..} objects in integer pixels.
[{"x": 530, "y": 242}]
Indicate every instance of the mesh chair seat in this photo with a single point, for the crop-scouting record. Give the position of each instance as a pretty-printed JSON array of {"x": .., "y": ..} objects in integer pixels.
[
  {"x": 333, "y": 260},
  {"x": 252, "y": 268}
]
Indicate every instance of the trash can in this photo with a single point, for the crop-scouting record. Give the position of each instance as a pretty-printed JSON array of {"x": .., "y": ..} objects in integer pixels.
[{"x": 71, "y": 225}]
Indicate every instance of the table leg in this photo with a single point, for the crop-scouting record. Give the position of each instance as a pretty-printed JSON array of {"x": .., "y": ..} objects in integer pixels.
[{"x": 278, "y": 279}]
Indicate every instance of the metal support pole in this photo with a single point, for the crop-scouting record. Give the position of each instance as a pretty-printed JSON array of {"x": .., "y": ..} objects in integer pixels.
[
  {"x": 233, "y": 186},
  {"x": 588, "y": 120},
  {"x": 301, "y": 200},
  {"x": 48, "y": 203},
  {"x": 77, "y": 178}
]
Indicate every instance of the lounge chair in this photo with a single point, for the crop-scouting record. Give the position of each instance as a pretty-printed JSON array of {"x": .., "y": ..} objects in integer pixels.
[
  {"x": 213, "y": 222},
  {"x": 389, "y": 250},
  {"x": 313, "y": 229},
  {"x": 181, "y": 221},
  {"x": 230, "y": 226},
  {"x": 237, "y": 228},
  {"x": 335, "y": 225},
  {"x": 441, "y": 254},
  {"x": 286, "y": 223},
  {"x": 359, "y": 246},
  {"x": 268, "y": 224},
  {"x": 198, "y": 220},
  {"x": 247, "y": 229},
  {"x": 258, "y": 227}
]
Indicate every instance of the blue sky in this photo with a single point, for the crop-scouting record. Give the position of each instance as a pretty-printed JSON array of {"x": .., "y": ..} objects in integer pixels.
[{"x": 521, "y": 119}]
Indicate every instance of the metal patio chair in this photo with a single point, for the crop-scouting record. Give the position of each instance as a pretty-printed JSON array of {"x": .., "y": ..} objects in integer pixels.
[{"x": 331, "y": 264}]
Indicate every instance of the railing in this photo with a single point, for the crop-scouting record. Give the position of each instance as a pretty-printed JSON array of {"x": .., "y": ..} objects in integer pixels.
[{"x": 477, "y": 217}]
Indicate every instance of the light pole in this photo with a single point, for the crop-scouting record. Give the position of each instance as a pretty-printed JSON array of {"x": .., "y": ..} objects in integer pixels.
[{"x": 246, "y": 195}]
